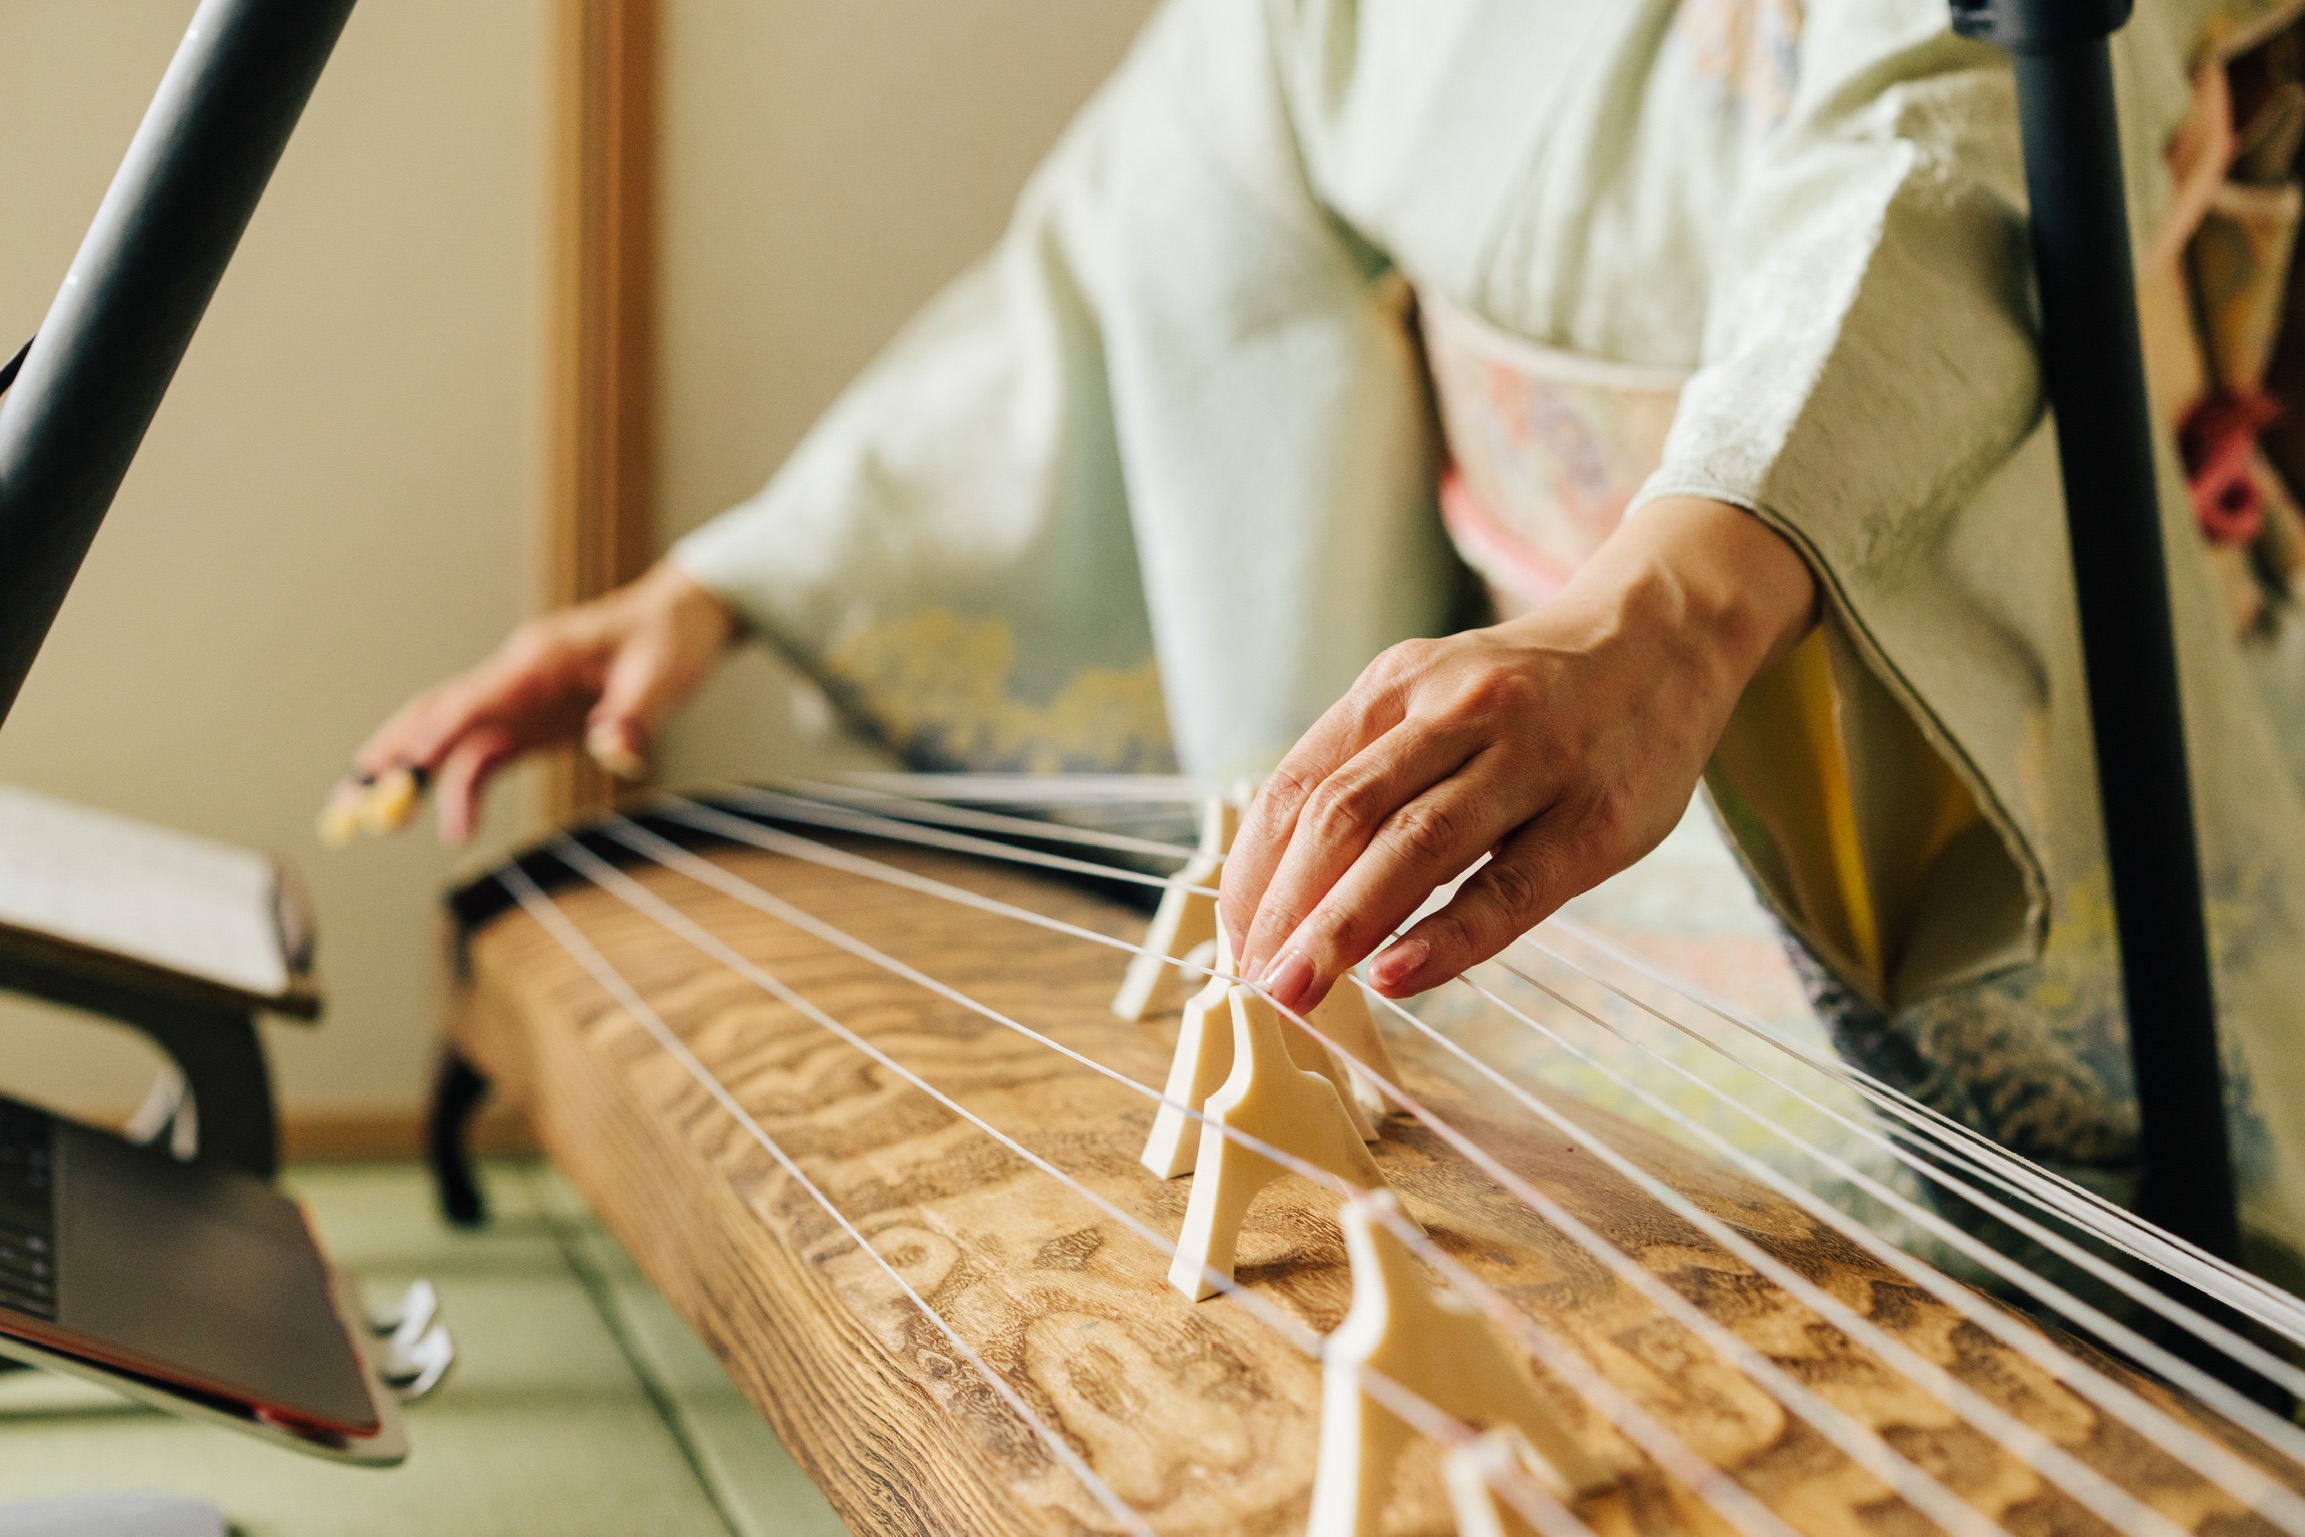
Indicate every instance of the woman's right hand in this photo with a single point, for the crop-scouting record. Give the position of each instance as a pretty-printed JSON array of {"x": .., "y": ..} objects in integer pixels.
[{"x": 607, "y": 673}]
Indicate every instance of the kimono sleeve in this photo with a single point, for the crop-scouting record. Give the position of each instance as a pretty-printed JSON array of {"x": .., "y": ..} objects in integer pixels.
[
  {"x": 1869, "y": 355},
  {"x": 1871, "y": 388},
  {"x": 1153, "y": 478},
  {"x": 1869, "y": 374}
]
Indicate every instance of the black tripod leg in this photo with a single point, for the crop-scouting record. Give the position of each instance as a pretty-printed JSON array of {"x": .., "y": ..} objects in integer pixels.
[{"x": 457, "y": 1090}]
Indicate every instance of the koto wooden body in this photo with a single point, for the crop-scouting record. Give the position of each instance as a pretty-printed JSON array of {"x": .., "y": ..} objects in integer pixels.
[{"x": 1198, "y": 1415}]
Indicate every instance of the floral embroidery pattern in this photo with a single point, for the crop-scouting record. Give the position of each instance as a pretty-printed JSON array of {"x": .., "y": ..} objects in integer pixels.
[
  {"x": 1746, "y": 51},
  {"x": 2037, "y": 1058},
  {"x": 934, "y": 685}
]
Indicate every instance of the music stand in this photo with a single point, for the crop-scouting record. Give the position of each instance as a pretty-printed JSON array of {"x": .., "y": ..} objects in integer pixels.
[{"x": 70, "y": 424}]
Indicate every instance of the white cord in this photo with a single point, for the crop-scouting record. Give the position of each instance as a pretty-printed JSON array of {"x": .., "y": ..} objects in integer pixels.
[
  {"x": 984, "y": 821},
  {"x": 1040, "y": 789},
  {"x": 2245, "y": 1351},
  {"x": 2063, "y": 1198},
  {"x": 796, "y": 809},
  {"x": 1731, "y": 1501}
]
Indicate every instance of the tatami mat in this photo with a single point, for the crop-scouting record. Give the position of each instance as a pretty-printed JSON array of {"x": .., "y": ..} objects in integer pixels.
[{"x": 580, "y": 1404}]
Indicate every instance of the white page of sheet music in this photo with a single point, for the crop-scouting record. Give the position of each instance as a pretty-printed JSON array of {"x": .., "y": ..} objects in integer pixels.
[{"x": 154, "y": 894}]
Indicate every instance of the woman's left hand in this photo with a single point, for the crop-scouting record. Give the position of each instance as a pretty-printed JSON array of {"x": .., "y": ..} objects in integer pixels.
[{"x": 1564, "y": 743}]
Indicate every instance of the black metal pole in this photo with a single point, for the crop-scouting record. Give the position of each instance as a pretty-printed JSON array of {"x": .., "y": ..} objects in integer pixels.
[
  {"x": 137, "y": 289},
  {"x": 2095, "y": 372}
]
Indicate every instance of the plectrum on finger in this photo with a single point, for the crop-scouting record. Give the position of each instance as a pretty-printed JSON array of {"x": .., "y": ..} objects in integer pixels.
[
  {"x": 390, "y": 803},
  {"x": 339, "y": 820}
]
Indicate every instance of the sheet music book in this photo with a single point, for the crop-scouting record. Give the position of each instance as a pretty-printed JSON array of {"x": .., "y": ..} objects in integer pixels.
[{"x": 161, "y": 898}]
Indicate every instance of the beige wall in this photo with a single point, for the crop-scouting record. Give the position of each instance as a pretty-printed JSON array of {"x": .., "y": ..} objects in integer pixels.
[
  {"x": 335, "y": 504},
  {"x": 827, "y": 167}
]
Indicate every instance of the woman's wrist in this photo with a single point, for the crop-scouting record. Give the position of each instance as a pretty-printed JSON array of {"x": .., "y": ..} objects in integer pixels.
[
  {"x": 667, "y": 592},
  {"x": 1706, "y": 574}
]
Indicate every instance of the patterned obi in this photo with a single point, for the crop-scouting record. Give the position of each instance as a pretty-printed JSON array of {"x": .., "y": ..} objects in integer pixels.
[{"x": 1546, "y": 449}]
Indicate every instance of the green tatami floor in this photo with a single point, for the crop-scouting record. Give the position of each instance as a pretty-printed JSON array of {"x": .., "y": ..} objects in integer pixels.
[{"x": 580, "y": 1404}]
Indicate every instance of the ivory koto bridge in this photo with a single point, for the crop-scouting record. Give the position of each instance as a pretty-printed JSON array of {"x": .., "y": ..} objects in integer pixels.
[{"x": 1199, "y": 1416}]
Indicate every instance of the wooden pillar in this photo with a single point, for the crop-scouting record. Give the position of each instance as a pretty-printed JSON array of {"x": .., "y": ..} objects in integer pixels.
[{"x": 601, "y": 531}]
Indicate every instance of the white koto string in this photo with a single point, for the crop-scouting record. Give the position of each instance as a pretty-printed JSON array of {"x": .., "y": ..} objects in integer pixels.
[
  {"x": 547, "y": 912},
  {"x": 1040, "y": 789},
  {"x": 795, "y": 809},
  {"x": 2243, "y": 1350},
  {"x": 2052, "y": 1192},
  {"x": 2097, "y": 1494},
  {"x": 2275, "y": 1312},
  {"x": 638, "y": 897},
  {"x": 2121, "y": 1222},
  {"x": 2208, "y": 1388},
  {"x": 1421, "y": 1413},
  {"x": 1708, "y": 1482},
  {"x": 2256, "y": 1289},
  {"x": 2091, "y": 1489},
  {"x": 984, "y": 821},
  {"x": 1857, "y": 1441},
  {"x": 729, "y": 826},
  {"x": 2045, "y": 1189},
  {"x": 1915, "y": 1485},
  {"x": 1065, "y": 789},
  {"x": 1908, "y": 1124}
]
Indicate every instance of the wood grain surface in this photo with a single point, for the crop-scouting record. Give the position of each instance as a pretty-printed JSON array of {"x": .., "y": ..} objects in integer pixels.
[{"x": 1200, "y": 1417}]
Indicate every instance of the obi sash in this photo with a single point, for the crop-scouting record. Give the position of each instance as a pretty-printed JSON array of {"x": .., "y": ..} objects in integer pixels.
[{"x": 1546, "y": 449}]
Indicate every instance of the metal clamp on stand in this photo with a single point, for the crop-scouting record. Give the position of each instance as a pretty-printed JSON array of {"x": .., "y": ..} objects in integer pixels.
[{"x": 417, "y": 1347}]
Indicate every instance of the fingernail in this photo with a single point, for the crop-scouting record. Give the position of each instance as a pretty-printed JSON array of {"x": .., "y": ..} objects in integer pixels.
[
  {"x": 610, "y": 746},
  {"x": 1397, "y": 965},
  {"x": 1289, "y": 978}
]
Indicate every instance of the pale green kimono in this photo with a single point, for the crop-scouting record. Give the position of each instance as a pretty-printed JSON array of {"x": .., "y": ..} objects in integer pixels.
[{"x": 1157, "y": 477}]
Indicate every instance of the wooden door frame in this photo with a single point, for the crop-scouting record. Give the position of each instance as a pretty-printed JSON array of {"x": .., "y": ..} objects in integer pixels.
[{"x": 600, "y": 526}]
